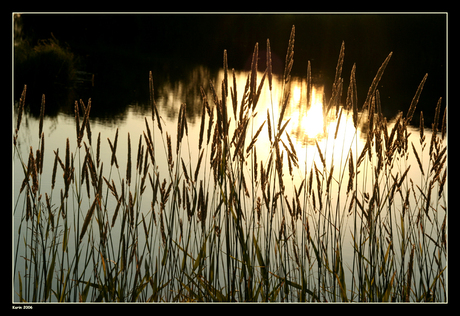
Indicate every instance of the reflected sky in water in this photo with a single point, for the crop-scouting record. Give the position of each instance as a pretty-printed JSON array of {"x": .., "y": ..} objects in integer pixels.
[
  {"x": 307, "y": 125},
  {"x": 314, "y": 134}
]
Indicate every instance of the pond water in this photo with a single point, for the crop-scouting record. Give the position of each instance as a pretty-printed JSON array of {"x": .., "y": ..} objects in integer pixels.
[
  {"x": 315, "y": 135},
  {"x": 326, "y": 174}
]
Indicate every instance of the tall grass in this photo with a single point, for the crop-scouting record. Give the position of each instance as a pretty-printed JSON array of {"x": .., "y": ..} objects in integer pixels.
[{"x": 220, "y": 222}]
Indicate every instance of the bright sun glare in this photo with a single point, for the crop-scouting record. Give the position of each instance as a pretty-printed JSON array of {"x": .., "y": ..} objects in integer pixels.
[
  {"x": 308, "y": 124},
  {"x": 313, "y": 121}
]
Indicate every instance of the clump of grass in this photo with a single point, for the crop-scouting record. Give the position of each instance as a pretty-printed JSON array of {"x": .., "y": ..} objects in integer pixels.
[
  {"x": 47, "y": 66},
  {"x": 214, "y": 229},
  {"x": 48, "y": 60}
]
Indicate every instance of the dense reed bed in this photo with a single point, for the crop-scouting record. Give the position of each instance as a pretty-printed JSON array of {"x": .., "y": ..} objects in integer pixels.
[{"x": 230, "y": 221}]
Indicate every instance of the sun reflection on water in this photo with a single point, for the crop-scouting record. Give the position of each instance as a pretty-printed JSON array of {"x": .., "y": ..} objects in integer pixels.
[
  {"x": 308, "y": 123},
  {"x": 313, "y": 121}
]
